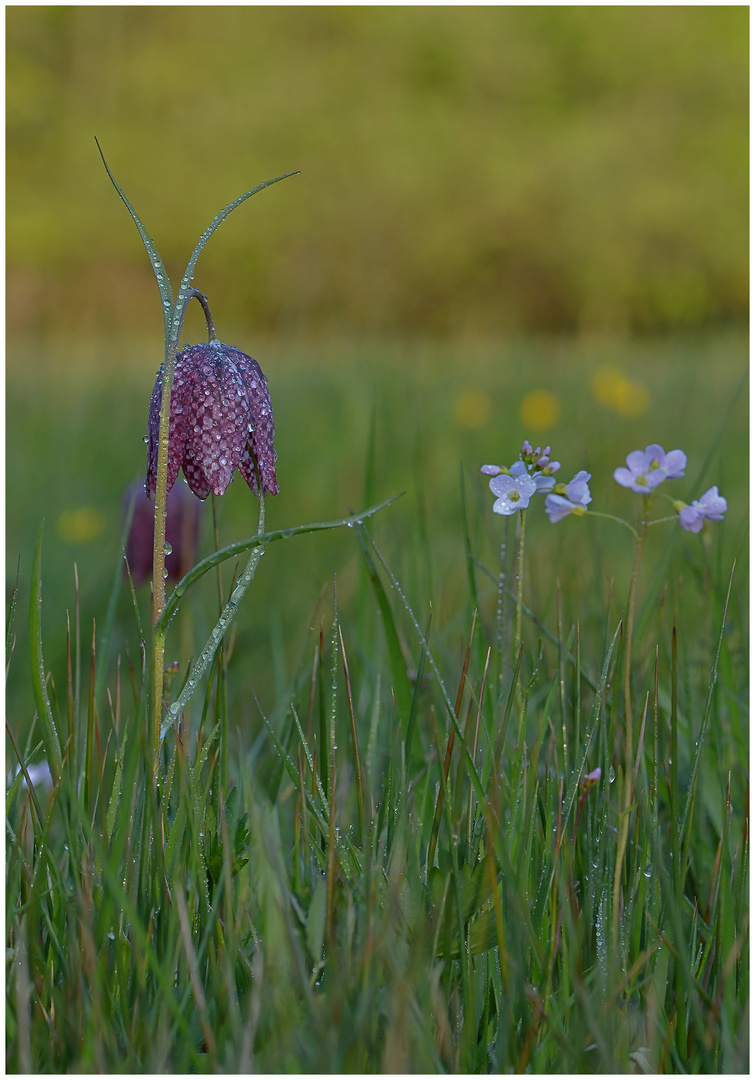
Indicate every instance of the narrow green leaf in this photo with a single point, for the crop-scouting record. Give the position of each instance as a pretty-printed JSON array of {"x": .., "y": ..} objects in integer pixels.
[
  {"x": 577, "y": 772},
  {"x": 115, "y": 592},
  {"x": 684, "y": 825},
  {"x": 214, "y": 224},
  {"x": 401, "y": 685},
  {"x": 241, "y": 546},
  {"x": 163, "y": 282},
  {"x": 42, "y": 701},
  {"x": 115, "y": 793},
  {"x": 10, "y": 621}
]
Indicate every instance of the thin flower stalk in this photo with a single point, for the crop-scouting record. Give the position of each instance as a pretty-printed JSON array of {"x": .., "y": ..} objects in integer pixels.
[
  {"x": 173, "y": 314},
  {"x": 227, "y": 616},
  {"x": 161, "y": 512}
]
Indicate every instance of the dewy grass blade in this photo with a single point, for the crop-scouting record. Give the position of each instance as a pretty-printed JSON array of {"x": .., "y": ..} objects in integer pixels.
[
  {"x": 473, "y": 774},
  {"x": 599, "y": 694},
  {"x": 163, "y": 282},
  {"x": 684, "y": 824},
  {"x": 354, "y": 740},
  {"x": 115, "y": 592},
  {"x": 10, "y": 621},
  {"x": 401, "y": 685},
  {"x": 49, "y": 731}
]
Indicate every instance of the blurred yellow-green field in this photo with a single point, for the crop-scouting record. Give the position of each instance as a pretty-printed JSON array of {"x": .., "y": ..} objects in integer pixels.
[
  {"x": 463, "y": 169},
  {"x": 509, "y": 222}
]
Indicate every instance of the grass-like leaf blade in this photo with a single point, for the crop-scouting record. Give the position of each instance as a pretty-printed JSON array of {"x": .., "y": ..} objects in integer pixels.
[
  {"x": 42, "y": 701},
  {"x": 163, "y": 282}
]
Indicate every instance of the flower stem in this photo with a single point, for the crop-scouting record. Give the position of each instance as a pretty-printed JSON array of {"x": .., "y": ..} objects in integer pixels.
[
  {"x": 227, "y": 616},
  {"x": 613, "y": 517},
  {"x": 500, "y": 615},
  {"x": 520, "y": 582},
  {"x": 158, "y": 557},
  {"x": 161, "y": 502},
  {"x": 629, "y": 734}
]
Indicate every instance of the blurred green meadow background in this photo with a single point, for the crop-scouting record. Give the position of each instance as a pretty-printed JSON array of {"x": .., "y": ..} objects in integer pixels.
[{"x": 509, "y": 222}]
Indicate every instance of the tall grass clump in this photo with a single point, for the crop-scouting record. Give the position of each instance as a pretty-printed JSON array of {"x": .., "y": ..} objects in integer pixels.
[{"x": 517, "y": 841}]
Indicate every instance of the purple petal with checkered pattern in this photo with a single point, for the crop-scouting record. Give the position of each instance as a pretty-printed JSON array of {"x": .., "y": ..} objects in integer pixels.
[{"x": 221, "y": 419}]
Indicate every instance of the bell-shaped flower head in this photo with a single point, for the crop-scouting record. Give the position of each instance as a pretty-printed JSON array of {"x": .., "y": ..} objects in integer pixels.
[
  {"x": 710, "y": 507},
  {"x": 221, "y": 419},
  {"x": 645, "y": 470}
]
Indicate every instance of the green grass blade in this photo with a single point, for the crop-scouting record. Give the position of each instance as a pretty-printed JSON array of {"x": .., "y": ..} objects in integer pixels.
[
  {"x": 400, "y": 678},
  {"x": 42, "y": 701},
  {"x": 115, "y": 592},
  {"x": 684, "y": 824},
  {"x": 599, "y": 695}
]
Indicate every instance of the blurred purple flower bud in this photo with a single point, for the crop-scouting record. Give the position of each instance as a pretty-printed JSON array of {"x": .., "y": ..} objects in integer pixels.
[
  {"x": 181, "y": 532},
  {"x": 490, "y": 470},
  {"x": 221, "y": 419},
  {"x": 590, "y": 779}
]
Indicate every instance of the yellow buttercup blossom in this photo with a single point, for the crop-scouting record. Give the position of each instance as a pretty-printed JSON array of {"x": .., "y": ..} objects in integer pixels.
[
  {"x": 539, "y": 410},
  {"x": 80, "y": 525},
  {"x": 613, "y": 390}
]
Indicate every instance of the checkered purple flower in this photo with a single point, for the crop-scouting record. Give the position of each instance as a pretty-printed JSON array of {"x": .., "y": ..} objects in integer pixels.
[{"x": 221, "y": 419}]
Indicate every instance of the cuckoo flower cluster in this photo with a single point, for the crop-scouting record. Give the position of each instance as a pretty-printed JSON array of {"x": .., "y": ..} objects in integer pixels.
[
  {"x": 533, "y": 474},
  {"x": 646, "y": 469},
  {"x": 644, "y": 472}
]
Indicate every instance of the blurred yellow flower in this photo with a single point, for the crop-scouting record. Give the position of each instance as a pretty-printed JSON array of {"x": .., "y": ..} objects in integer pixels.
[
  {"x": 80, "y": 526},
  {"x": 473, "y": 409},
  {"x": 539, "y": 410},
  {"x": 627, "y": 397}
]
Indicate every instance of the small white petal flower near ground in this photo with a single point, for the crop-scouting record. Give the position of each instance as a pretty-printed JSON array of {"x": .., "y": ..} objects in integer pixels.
[{"x": 512, "y": 493}]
